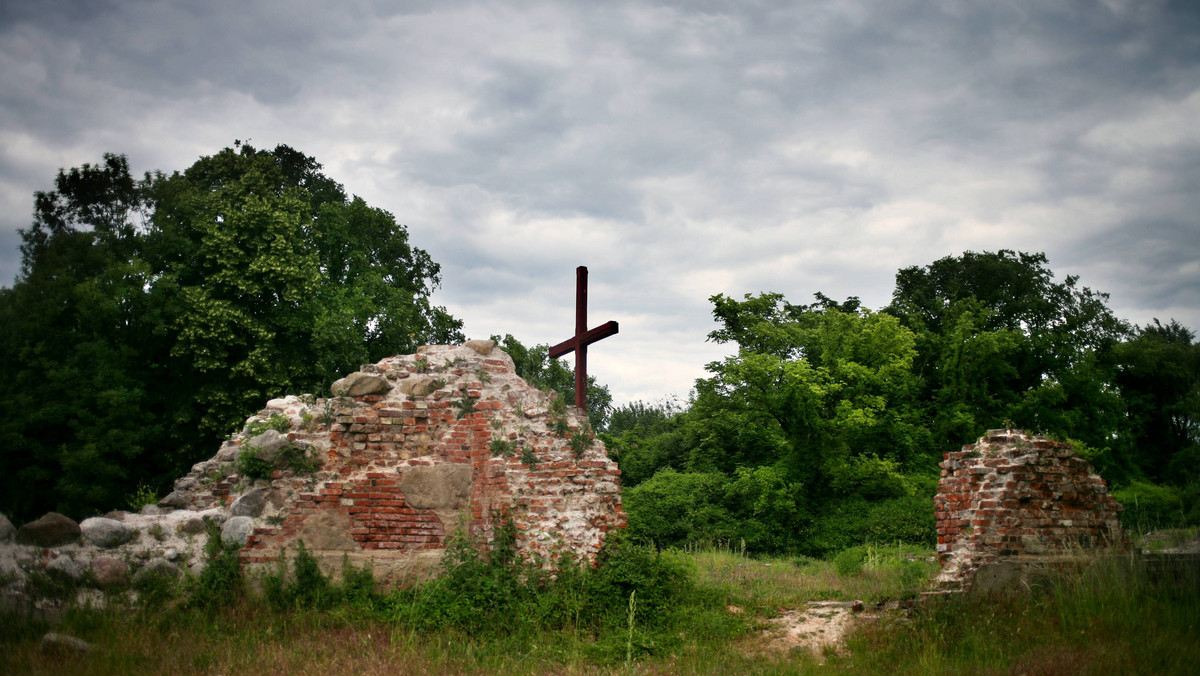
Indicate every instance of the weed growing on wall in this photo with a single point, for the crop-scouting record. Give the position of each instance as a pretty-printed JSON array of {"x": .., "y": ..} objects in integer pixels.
[
  {"x": 580, "y": 440},
  {"x": 528, "y": 457},
  {"x": 464, "y": 405},
  {"x": 144, "y": 495},
  {"x": 277, "y": 422},
  {"x": 251, "y": 466},
  {"x": 504, "y": 447}
]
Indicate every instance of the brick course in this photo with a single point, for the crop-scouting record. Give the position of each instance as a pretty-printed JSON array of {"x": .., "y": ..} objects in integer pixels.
[
  {"x": 1012, "y": 496},
  {"x": 562, "y": 503}
]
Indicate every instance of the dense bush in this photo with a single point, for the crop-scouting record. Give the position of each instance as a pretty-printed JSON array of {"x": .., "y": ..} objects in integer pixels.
[{"x": 1149, "y": 506}]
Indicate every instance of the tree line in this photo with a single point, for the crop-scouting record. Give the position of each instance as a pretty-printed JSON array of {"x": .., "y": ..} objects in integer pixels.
[
  {"x": 824, "y": 429},
  {"x": 151, "y": 316}
]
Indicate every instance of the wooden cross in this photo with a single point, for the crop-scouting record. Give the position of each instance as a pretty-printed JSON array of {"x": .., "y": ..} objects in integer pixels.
[{"x": 582, "y": 338}]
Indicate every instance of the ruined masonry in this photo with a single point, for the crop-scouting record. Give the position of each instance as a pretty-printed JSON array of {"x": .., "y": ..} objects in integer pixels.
[
  {"x": 401, "y": 454},
  {"x": 1013, "y": 503}
]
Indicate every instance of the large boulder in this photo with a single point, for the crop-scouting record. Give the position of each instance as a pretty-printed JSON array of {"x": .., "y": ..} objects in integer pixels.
[
  {"x": 109, "y": 572},
  {"x": 174, "y": 500},
  {"x": 236, "y": 530},
  {"x": 65, "y": 568},
  {"x": 52, "y": 530},
  {"x": 156, "y": 569},
  {"x": 251, "y": 504},
  {"x": 269, "y": 445},
  {"x": 106, "y": 533},
  {"x": 7, "y": 530},
  {"x": 359, "y": 384}
]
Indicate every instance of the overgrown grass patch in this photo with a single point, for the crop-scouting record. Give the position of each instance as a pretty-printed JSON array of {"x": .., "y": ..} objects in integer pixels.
[{"x": 492, "y": 613}]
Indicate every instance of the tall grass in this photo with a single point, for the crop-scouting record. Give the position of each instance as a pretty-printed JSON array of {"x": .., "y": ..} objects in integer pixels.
[
  {"x": 696, "y": 612},
  {"x": 1109, "y": 615}
]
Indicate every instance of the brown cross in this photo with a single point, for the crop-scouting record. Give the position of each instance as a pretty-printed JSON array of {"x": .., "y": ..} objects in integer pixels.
[{"x": 582, "y": 338}]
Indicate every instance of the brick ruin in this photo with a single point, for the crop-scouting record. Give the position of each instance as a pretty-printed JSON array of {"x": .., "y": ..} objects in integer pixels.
[
  {"x": 401, "y": 454},
  {"x": 1012, "y": 503}
]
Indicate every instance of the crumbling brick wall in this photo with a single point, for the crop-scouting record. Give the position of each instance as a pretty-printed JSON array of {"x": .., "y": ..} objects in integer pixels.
[
  {"x": 1015, "y": 498},
  {"x": 381, "y": 472},
  {"x": 417, "y": 445}
]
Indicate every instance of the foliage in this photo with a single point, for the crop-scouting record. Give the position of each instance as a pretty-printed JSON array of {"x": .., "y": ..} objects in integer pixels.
[
  {"x": 538, "y": 369},
  {"x": 152, "y": 315},
  {"x": 220, "y": 584},
  {"x": 856, "y": 408},
  {"x": 1149, "y": 506},
  {"x": 1158, "y": 372},
  {"x": 139, "y": 498},
  {"x": 306, "y": 587},
  {"x": 277, "y": 422},
  {"x": 252, "y": 466},
  {"x": 505, "y": 447}
]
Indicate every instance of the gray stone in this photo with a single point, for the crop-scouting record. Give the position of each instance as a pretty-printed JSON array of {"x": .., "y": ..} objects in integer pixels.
[
  {"x": 417, "y": 385},
  {"x": 482, "y": 347},
  {"x": 176, "y": 500},
  {"x": 151, "y": 510},
  {"x": 269, "y": 444},
  {"x": 61, "y": 644},
  {"x": 236, "y": 530},
  {"x": 251, "y": 504},
  {"x": 437, "y": 486},
  {"x": 51, "y": 530},
  {"x": 172, "y": 554},
  {"x": 106, "y": 533},
  {"x": 109, "y": 572},
  {"x": 65, "y": 567},
  {"x": 157, "y": 568},
  {"x": 359, "y": 384},
  {"x": 328, "y": 530},
  {"x": 7, "y": 530},
  {"x": 191, "y": 525},
  {"x": 229, "y": 451}
]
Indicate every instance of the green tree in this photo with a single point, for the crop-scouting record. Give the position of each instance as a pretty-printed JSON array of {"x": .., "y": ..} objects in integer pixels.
[
  {"x": 538, "y": 369},
  {"x": 152, "y": 316},
  {"x": 998, "y": 339},
  {"x": 79, "y": 348},
  {"x": 1158, "y": 372},
  {"x": 836, "y": 385}
]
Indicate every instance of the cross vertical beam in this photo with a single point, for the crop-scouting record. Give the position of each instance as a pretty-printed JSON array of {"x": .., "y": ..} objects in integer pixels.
[{"x": 582, "y": 338}]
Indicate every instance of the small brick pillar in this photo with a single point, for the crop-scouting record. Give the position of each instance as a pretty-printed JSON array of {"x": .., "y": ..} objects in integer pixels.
[{"x": 1013, "y": 498}]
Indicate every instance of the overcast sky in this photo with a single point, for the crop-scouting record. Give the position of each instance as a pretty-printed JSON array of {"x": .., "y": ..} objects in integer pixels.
[{"x": 678, "y": 150}]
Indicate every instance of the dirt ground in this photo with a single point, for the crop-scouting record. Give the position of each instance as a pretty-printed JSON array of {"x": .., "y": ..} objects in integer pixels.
[{"x": 818, "y": 627}]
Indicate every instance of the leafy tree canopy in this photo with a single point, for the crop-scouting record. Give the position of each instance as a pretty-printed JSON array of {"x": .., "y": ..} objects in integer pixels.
[{"x": 151, "y": 316}]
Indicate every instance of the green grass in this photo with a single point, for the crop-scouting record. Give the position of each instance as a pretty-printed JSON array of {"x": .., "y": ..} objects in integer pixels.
[{"x": 697, "y": 612}]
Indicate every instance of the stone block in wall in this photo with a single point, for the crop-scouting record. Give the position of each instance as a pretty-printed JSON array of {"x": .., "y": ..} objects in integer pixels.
[{"x": 50, "y": 530}]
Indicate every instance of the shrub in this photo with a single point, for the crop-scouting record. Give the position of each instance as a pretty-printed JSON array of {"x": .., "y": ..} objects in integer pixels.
[
  {"x": 253, "y": 467},
  {"x": 144, "y": 495},
  {"x": 910, "y": 520},
  {"x": 308, "y": 587},
  {"x": 1150, "y": 506},
  {"x": 673, "y": 508},
  {"x": 220, "y": 583}
]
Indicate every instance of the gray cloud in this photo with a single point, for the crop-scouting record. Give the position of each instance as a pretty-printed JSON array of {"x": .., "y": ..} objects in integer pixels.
[{"x": 678, "y": 149}]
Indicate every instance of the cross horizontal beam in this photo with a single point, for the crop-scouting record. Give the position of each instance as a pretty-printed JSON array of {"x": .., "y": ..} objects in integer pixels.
[{"x": 582, "y": 338}]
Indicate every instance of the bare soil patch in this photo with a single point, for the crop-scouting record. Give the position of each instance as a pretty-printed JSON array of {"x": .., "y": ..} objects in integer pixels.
[{"x": 818, "y": 627}]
